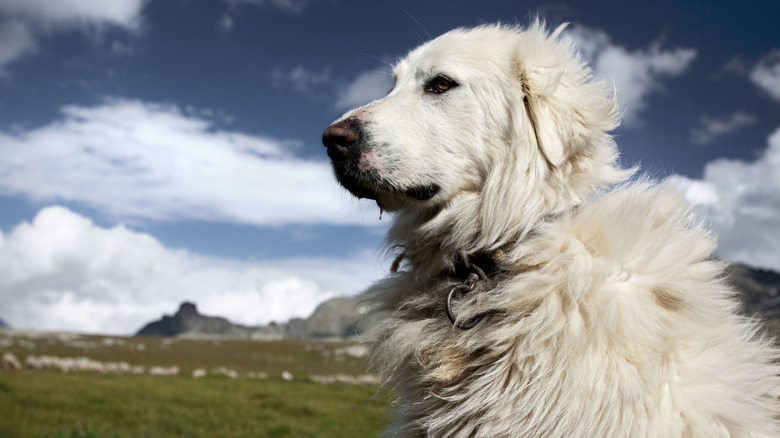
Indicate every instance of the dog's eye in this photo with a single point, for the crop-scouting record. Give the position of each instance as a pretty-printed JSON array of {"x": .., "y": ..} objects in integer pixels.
[{"x": 439, "y": 84}]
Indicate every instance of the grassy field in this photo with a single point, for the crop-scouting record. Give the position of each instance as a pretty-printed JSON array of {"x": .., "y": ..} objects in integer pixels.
[{"x": 89, "y": 404}]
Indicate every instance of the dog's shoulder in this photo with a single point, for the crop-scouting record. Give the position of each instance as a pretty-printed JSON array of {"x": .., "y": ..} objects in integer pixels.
[
  {"x": 638, "y": 249},
  {"x": 643, "y": 226}
]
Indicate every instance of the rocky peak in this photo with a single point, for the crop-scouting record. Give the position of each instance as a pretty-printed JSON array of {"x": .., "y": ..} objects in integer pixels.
[
  {"x": 187, "y": 309},
  {"x": 188, "y": 320}
]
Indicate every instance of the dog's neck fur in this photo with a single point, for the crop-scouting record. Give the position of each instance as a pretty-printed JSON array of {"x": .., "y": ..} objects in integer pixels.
[
  {"x": 432, "y": 239},
  {"x": 549, "y": 362}
]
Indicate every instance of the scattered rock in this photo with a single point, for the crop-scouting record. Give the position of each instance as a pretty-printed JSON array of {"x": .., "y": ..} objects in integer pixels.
[
  {"x": 164, "y": 371},
  {"x": 357, "y": 351},
  {"x": 9, "y": 362},
  {"x": 225, "y": 371},
  {"x": 365, "y": 379}
]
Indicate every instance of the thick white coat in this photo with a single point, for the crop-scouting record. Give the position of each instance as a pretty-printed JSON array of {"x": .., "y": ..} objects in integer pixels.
[{"x": 609, "y": 316}]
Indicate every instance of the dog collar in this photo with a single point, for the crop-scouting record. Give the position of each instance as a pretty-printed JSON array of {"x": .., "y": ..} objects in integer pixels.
[{"x": 476, "y": 268}]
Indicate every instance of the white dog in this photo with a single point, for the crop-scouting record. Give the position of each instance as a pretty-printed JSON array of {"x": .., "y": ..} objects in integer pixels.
[{"x": 527, "y": 299}]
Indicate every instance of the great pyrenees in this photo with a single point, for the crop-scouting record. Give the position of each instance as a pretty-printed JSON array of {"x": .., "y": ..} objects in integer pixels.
[{"x": 536, "y": 292}]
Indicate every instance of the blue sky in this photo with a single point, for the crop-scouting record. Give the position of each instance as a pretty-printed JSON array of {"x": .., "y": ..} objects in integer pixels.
[{"x": 155, "y": 151}]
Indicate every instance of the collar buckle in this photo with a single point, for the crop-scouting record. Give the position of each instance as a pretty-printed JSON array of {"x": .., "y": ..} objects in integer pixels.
[{"x": 467, "y": 286}]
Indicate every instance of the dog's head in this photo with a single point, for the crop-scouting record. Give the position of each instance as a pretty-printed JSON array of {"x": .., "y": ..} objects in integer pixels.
[{"x": 491, "y": 109}]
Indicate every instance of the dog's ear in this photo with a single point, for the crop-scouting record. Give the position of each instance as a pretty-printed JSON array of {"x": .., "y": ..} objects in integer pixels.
[{"x": 567, "y": 109}]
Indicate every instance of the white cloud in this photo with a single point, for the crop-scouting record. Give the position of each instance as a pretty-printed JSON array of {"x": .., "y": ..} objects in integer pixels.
[
  {"x": 712, "y": 128},
  {"x": 742, "y": 201},
  {"x": 635, "y": 74},
  {"x": 300, "y": 79},
  {"x": 69, "y": 12},
  {"x": 15, "y": 40},
  {"x": 735, "y": 65},
  {"x": 22, "y": 20},
  {"x": 766, "y": 74},
  {"x": 226, "y": 23},
  {"x": 139, "y": 160},
  {"x": 368, "y": 86},
  {"x": 62, "y": 272},
  {"x": 289, "y": 5}
]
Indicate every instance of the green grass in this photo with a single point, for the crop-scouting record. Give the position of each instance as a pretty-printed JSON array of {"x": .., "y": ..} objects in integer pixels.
[
  {"x": 85, "y": 404},
  {"x": 53, "y": 404}
]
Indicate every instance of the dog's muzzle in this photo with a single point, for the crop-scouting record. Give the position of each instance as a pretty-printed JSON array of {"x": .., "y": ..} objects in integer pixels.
[
  {"x": 346, "y": 141},
  {"x": 342, "y": 140}
]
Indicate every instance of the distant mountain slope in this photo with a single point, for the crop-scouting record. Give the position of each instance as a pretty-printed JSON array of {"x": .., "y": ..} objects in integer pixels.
[
  {"x": 3, "y": 323},
  {"x": 340, "y": 317},
  {"x": 348, "y": 316},
  {"x": 760, "y": 288},
  {"x": 760, "y": 293},
  {"x": 188, "y": 320}
]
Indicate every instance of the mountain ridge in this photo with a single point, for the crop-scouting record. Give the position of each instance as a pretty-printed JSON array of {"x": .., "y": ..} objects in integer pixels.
[{"x": 340, "y": 317}]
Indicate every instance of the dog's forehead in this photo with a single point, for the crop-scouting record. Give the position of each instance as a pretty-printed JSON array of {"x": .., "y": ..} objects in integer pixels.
[
  {"x": 420, "y": 64},
  {"x": 458, "y": 50}
]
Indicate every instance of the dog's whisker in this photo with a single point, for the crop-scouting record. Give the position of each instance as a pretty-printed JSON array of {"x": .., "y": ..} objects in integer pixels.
[{"x": 419, "y": 24}]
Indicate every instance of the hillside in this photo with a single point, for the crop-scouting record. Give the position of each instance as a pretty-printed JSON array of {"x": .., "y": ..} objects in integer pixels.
[
  {"x": 341, "y": 317},
  {"x": 760, "y": 293},
  {"x": 188, "y": 320}
]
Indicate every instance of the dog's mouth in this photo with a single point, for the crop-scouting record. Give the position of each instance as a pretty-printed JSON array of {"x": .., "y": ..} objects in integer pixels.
[
  {"x": 362, "y": 171},
  {"x": 369, "y": 185},
  {"x": 358, "y": 185},
  {"x": 422, "y": 193}
]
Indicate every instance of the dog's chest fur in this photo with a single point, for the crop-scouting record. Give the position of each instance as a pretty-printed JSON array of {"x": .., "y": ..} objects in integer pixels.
[{"x": 596, "y": 329}]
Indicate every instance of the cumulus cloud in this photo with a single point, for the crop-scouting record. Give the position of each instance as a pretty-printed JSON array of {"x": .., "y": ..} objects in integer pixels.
[
  {"x": 766, "y": 74},
  {"x": 368, "y": 86},
  {"x": 288, "y": 5},
  {"x": 301, "y": 79},
  {"x": 742, "y": 202},
  {"x": 62, "y": 272},
  {"x": 226, "y": 22},
  {"x": 64, "y": 12},
  {"x": 21, "y": 21},
  {"x": 635, "y": 74},
  {"x": 151, "y": 161},
  {"x": 735, "y": 65},
  {"x": 15, "y": 40},
  {"x": 711, "y": 128}
]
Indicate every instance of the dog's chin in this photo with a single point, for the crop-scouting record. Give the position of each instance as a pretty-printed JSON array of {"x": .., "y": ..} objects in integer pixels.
[
  {"x": 360, "y": 190},
  {"x": 390, "y": 199},
  {"x": 390, "y": 202},
  {"x": 394, "y": 200}
]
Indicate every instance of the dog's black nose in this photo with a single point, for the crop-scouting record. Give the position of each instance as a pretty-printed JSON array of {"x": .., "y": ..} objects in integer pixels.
[{"x": 340, "y": 137}]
